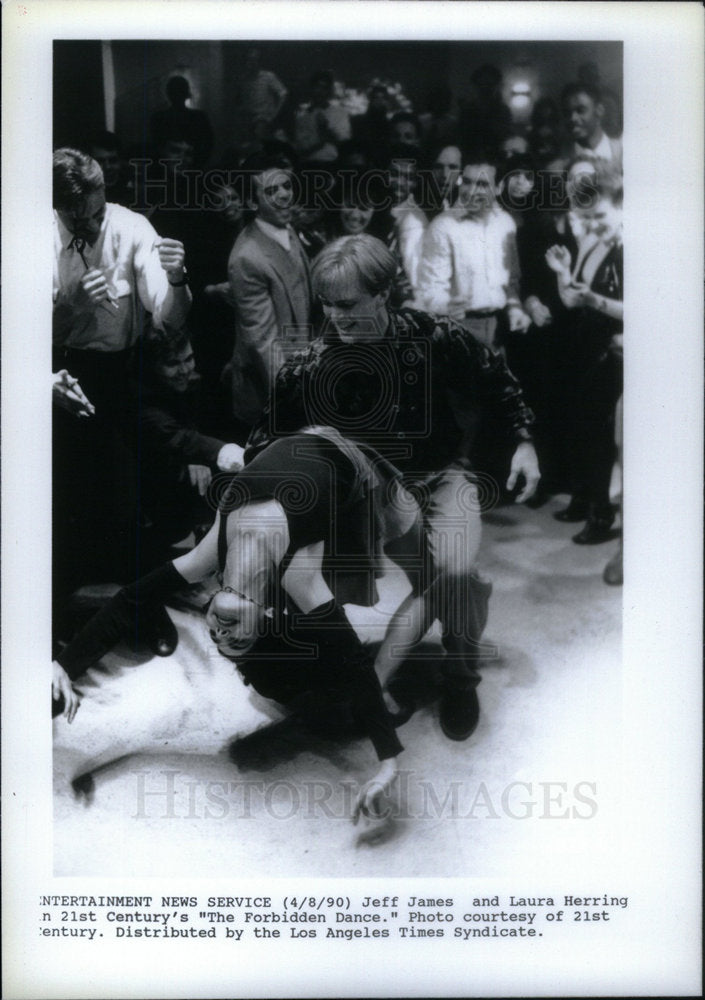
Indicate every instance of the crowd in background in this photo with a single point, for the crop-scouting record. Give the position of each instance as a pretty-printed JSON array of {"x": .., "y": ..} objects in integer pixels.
[{"x": 514, "y": 232}]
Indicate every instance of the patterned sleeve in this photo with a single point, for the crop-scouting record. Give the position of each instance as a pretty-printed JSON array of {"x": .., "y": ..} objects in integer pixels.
[
  {"x": 286, "y": 410},
  {"x": 472, "y": 370}
]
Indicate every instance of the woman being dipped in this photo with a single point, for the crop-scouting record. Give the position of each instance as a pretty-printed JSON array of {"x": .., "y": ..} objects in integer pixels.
[{"x": 299, "y": 533}]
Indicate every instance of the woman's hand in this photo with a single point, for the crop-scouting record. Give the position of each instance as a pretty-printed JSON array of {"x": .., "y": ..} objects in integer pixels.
[
  {"x": 558, "y": 259},
  {"x": 377, "y": 823},
  {"x": 575, "y": 294},
  {"x": 61, "y": 685},
  {"x": 369, "y": 800}
]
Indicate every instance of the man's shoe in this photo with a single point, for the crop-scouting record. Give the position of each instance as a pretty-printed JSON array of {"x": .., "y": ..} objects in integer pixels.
[
  {"x": 594, "y": 533},
  {"x": 577, "y": 510},
  {"x": 612, "y": 572},
  {"x": 459, "y": 711},
  {"x": 160, "y": 634}
]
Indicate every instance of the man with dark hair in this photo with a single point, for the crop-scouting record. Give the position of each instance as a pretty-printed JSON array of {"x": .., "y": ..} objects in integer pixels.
[
  {"x": 270, "y": 286},
  {"x": 446, "y": 164},
  {"x": 469, "y": 267},
  {"x": 178, "y": 459},
  {"x": 110, "y": 267},
  {"x": 583, "y": 112},
  {"x": 405, "y": 222},
  {"x": 393, "y": 381},
  {"x": 405, "y": 131},
  {"x": 106, "y": 150}
]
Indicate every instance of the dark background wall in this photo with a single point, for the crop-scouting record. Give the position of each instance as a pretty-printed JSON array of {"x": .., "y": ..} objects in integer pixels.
[
  {"x": 79, "y": 101},
  {"x": 140, "y": 70}
]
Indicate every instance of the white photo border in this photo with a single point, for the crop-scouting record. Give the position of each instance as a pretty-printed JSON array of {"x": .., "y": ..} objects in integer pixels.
[{"x": 659, "y": 955}]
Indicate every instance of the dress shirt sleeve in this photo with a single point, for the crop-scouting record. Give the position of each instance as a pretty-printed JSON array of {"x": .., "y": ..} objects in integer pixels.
[
  {"x": 435, "y": 270},
  {"x": 169, "y": 306}
]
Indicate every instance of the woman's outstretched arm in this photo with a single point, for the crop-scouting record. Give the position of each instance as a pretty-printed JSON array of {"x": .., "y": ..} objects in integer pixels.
[{"x": 327, "y": 626}]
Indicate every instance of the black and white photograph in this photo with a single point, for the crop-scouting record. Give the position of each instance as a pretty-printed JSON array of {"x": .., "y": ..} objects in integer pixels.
[{"x": 362, "y": 547}]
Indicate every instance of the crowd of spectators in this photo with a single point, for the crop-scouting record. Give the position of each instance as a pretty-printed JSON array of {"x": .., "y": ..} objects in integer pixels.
[{"x": 182, "y": 283}]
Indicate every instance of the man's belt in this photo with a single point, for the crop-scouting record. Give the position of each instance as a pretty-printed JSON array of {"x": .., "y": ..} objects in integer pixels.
[{"x": 481, "y": 313}]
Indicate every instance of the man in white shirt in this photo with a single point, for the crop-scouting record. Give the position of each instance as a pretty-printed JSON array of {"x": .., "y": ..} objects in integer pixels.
[
  {"x": 109, "y": 261},
  {"x": 469, "y": 267},
  {"x": 110, "y": 267},
  {"x": 583, "y": 112}
]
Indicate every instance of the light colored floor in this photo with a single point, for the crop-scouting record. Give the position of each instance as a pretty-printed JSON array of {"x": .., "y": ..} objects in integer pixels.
[{"x": 536, "y": 783}]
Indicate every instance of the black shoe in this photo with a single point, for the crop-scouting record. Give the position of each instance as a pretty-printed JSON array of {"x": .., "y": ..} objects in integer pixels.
[
  {"x": 459, "y": 711},
  {"x": 160, "y": 634},
  {"x": 595, "y": 532},
  {"x": 577, "y": 510}
]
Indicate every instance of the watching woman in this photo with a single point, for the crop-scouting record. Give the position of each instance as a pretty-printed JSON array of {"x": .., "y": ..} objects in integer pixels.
[{"x": 593, "y": 289}]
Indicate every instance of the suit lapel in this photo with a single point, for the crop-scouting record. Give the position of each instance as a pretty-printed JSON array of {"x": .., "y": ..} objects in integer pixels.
[{"x": 276, "y": 256}]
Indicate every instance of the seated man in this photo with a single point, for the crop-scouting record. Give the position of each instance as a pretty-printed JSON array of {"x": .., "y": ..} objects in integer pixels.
[{"x": 177, "y": 460}]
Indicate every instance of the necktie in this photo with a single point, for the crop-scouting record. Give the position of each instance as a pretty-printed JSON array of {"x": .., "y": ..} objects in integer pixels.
[{"x": 79, "y": 244}]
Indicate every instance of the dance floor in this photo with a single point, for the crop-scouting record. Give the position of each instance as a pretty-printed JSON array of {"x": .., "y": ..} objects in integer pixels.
[{"x": 176, "y": 791}]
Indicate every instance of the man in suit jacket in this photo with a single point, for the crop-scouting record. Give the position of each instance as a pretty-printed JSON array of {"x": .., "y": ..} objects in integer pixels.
[{"x": 270, "y": 286}]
